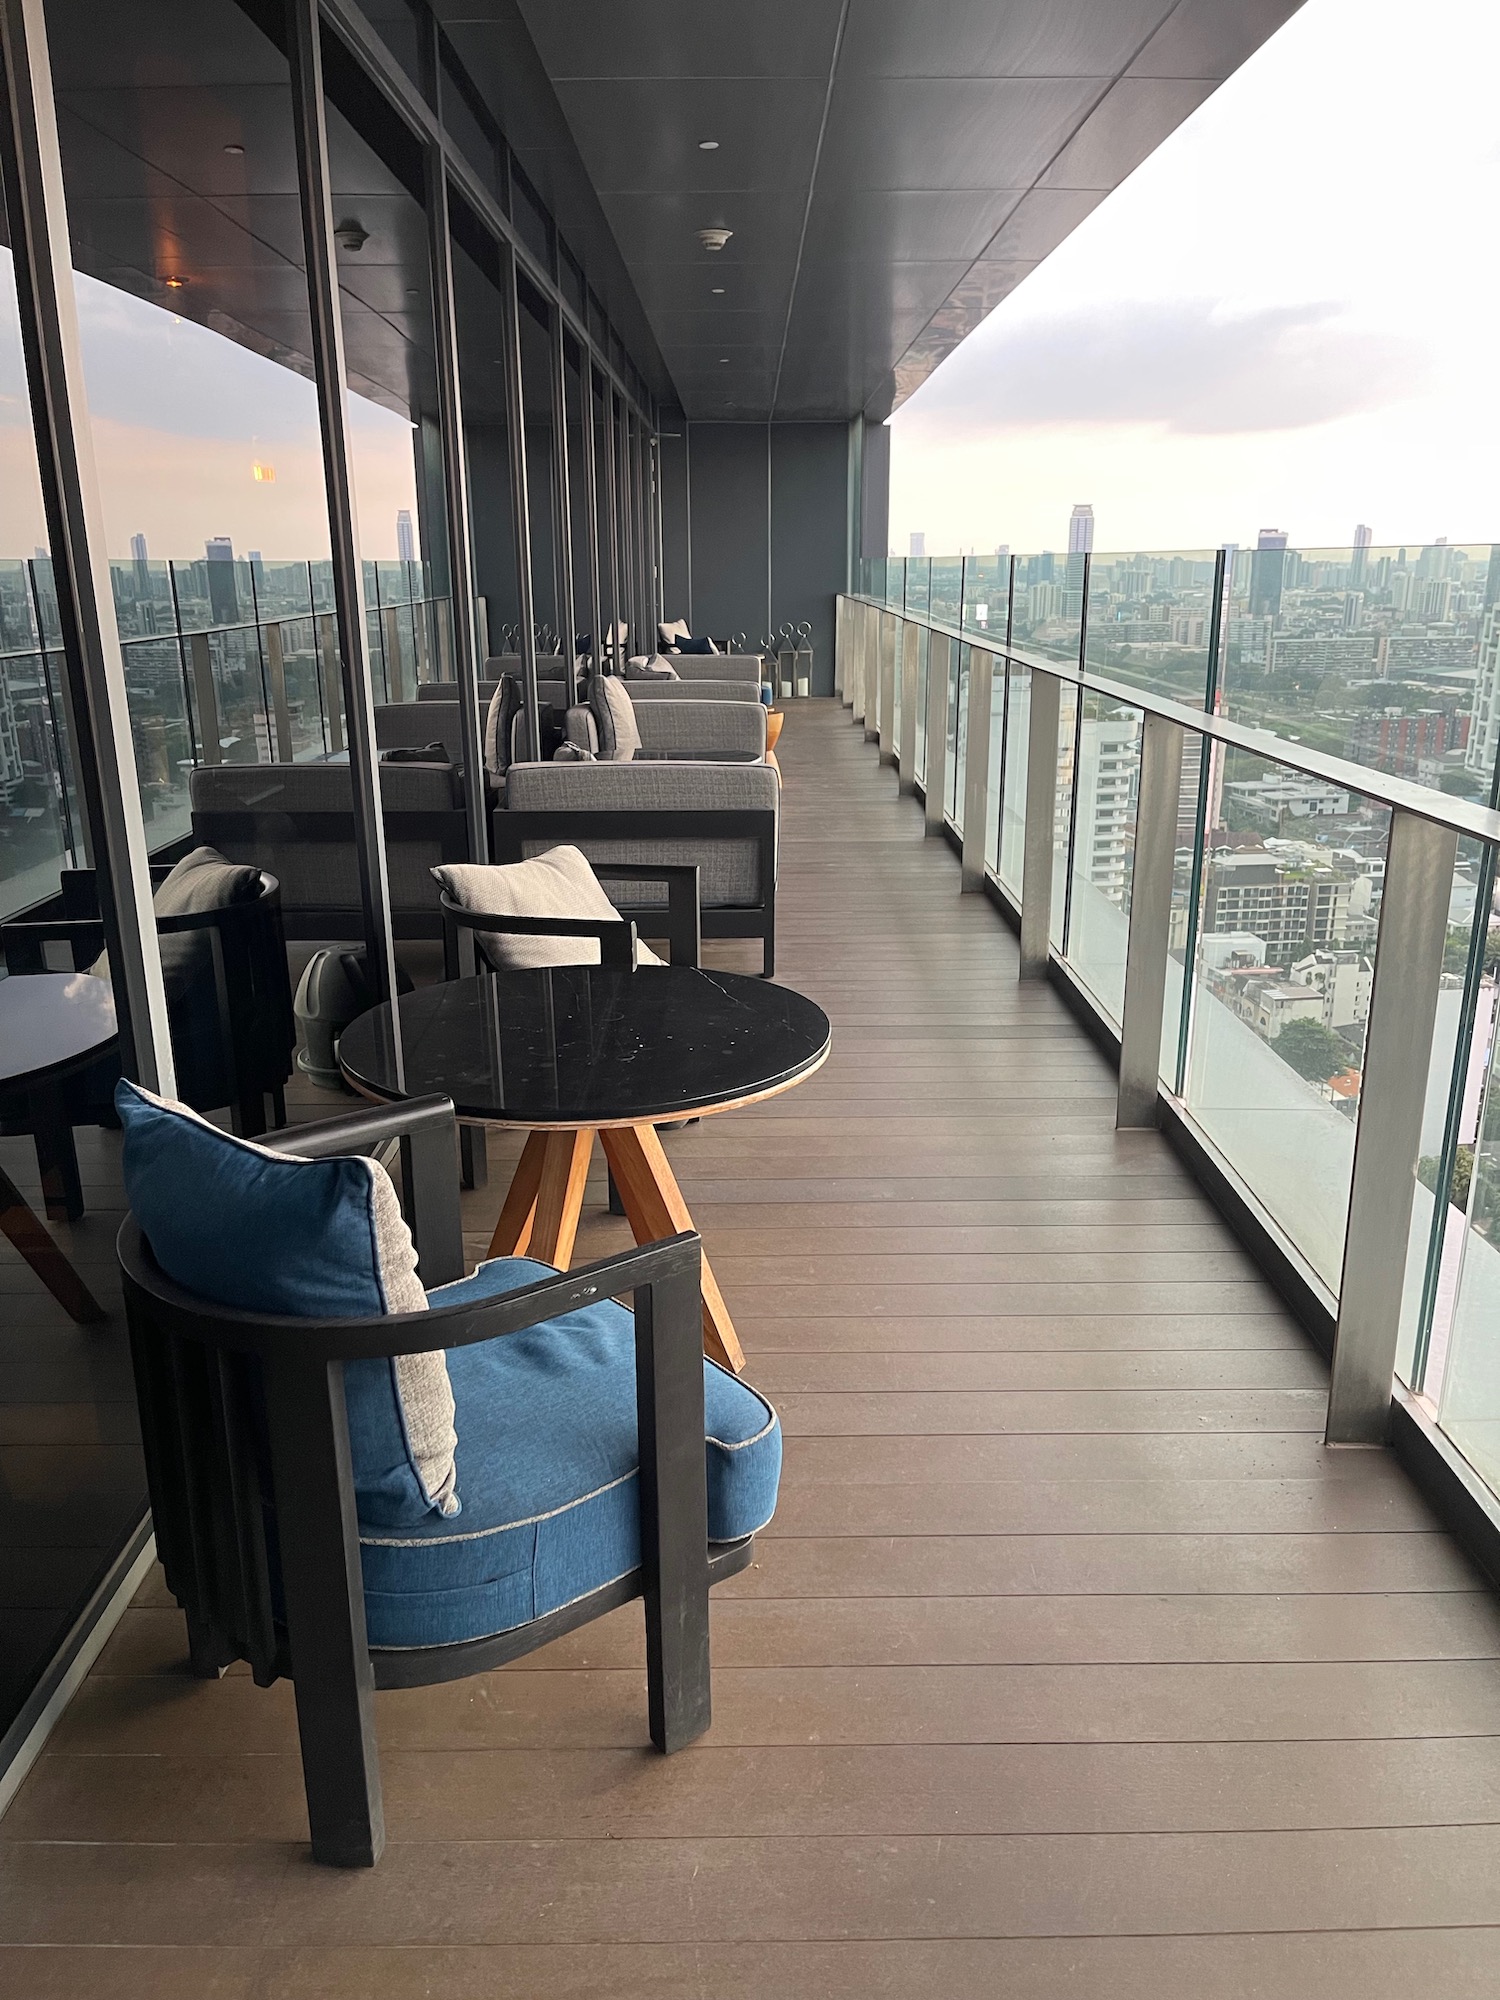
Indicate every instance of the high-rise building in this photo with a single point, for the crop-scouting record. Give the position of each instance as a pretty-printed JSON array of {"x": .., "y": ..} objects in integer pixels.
[
  {"x": 141, "y": 561},
  {"x": 1267, "y": 567},
  {"x": 1363, "y": 536},
  {"x": 406, "y": 541},
  {"x": 223, "y": 598},
  {"x": 1484, "y": 726},
  {"x": 1081, "y": 531},
  {"x": 918, "y": 544}
]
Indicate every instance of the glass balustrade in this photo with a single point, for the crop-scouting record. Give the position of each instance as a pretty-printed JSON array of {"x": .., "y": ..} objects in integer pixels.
[{"x": 1102, "y": 856}]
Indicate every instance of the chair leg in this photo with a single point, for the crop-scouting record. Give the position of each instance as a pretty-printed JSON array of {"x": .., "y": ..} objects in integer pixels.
[
  {"x": 325, "y": 1611},
  {"x": 616, "y": 1199},
  {"x": 209, "y": 1652},
  {"x": 251, "y": 1121},
  {"x": 674, "y": 1512},
  {"x": 474, "y": 1159}
]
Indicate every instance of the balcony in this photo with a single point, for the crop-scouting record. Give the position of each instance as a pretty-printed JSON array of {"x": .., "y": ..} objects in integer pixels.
[{"x": 1073, "y": 1663}]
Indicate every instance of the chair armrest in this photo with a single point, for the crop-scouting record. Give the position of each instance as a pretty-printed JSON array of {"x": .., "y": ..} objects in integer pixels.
[
  {"x": 684, "y": 901},
  {"x": 617, "y": 938},
  {"x": 428, "y": 1131},
  {"x": 23, "y": 944}
]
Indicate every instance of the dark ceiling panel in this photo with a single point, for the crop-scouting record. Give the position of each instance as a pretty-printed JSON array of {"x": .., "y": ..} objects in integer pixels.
[
  {"x": 671, "y": 39},
  {"x": 886, "y": 187},
  {"x": 1023, "y": 38},
  {"x": 950, "y": 132}
]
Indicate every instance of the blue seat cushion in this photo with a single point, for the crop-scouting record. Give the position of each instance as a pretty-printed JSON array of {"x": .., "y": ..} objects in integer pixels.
[{"x": 548, "y": 1466}]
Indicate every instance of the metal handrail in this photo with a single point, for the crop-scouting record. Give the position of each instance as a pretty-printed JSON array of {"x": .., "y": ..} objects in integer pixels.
[{"x": 1461, "y": 815}]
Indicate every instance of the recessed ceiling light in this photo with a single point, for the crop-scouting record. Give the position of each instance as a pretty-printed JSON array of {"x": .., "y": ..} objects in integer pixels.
[
  {"x": 718, "y": 291},
  {"x": 723, "y": 360},
  {"x": 174, "y": 284},
  {"x": 708, "y": 145},
  {"x": 234, "y": 152}
]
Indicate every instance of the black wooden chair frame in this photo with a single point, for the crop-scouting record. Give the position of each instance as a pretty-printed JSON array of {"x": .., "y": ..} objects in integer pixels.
[
  {"x": 234, "y": 931},
  {"x": 618, "y": 937},
  {"x": 241, "y": 1408},
  {"x": 512, "y": 830}
]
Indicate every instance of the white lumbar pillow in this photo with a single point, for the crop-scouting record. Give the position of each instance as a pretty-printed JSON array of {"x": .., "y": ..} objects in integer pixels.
[{"x": 559, "y": 883}]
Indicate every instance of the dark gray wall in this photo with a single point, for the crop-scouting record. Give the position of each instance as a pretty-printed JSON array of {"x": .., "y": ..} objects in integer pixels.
[
  {"x": 875, "y": 491},
  {"x": 756, "y": 530}
]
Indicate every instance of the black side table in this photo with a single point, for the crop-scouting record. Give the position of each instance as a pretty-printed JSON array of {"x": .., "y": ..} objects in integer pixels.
[
  {"x": 52, "y": 1025},
  {"x": 583, "y": 1049}
]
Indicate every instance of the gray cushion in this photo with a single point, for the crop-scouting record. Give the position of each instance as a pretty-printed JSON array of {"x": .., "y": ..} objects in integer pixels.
[
  {"x": 559, "y": 883},
  {"x": 656, "y": 668},
  {"x": 412, "y": 725},
  {"x": 201, "y": 881},
  {"x": 710, "y": 731},
  {"x": 614, "y": 715},
  {"x": 728, "y": 870}
]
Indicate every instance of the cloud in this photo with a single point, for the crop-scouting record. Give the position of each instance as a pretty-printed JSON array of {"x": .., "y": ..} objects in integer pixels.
[{"x": 1187, "y": 365}]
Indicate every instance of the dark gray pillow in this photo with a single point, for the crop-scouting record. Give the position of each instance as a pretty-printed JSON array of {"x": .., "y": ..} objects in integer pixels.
[
  {"x": 614, "y": 718},
  {"x": 202, "y": 880},
  {"x": 427, "y": 753}
]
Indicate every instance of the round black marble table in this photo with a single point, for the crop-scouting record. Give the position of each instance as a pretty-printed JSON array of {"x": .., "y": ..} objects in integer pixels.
[
  {"x": 52, "y": 1025},
  {"x": 575, "y": 1050}
]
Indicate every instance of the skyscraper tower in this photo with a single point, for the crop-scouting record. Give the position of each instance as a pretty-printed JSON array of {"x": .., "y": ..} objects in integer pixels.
[
  {"x": 1362, "y": 540},
  {"x": 1267, "y": 566},
  {"x": 918, "y": 545},
  {"x": 406, "y": 541},
  {"x": 1081, "y": 531},
  {"x": 223, "y": 598}
]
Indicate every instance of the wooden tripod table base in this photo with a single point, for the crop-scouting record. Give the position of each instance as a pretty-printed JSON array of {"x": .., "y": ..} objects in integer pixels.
[{"x": 539, "y": 1217}]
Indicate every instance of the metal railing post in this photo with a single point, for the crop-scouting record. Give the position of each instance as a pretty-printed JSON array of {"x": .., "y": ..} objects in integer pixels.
[
  {"x": 936, "y": 778},
  {"x": 206, "y": 698},
  {"x": 1150, "y": 921},
  {"x": 870, "y": 669},
  {"x": 890, "y": 626},
  {"x": 281, "y": 720},
  {"x": 977, "y": 770},
  {"x": 906, "y": 750},
  {"x": 1041, "y": 825},
  {"x": 1393, "y": 1092},
  {"x": 842, "y": 613},
  {"x": 855, "y": 678}
]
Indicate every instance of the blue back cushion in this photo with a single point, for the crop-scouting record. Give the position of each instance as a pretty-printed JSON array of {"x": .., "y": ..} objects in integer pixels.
[{"x": 244, "y": 1227}]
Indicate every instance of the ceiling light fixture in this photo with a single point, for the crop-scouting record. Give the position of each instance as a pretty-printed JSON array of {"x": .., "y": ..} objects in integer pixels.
[
  {"x": 718, "y": 291},
  {"x": 714, "y": 239},
  {"x": 350, "y": 235},
  {"x": 708, "y": 145},
  {"x": 234, "y": 152},
  {"x": 174, "y": 284}
]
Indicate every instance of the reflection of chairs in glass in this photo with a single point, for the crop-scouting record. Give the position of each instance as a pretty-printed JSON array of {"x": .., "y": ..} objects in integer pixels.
[
  {"x": 296, "y": 821},
  {"x": 229, "y": 1000},
  {"x": 316, "y": 1413}
]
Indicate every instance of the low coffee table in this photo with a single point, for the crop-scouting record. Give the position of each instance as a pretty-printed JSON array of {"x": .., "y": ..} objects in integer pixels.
[
  {"x": 579, "y": 1049},
  {"x": 52, "y": 1025}
]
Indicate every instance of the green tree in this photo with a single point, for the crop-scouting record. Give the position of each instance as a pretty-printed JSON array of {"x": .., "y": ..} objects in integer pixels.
[{"x": 1312, "y": 1050}]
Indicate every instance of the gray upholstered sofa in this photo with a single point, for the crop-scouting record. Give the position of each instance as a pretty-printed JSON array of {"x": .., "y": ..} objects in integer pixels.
[
  {"x": 296, "y": 822},
  {"x": 723, "y": 816},
  {"x": 727, "y": 732}
]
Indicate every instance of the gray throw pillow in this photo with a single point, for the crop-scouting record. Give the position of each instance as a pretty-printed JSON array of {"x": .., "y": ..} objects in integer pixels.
[
  {"x": 559, "y": 883},
  {"x": 202, "y": 880},
  {"x": 614, "y": 715},
  {"x": 653, "y": 669}
]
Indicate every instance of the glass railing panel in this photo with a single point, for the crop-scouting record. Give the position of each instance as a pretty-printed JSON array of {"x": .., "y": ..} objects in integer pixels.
[
  {"x": 921, "y": 732},
  {"x": 157, "y": 699},
  {"x": 301, "y": 671},
  {"x": 946, "y": 589},
  {"x": 1386, "y": 656},
  {"x": 1463, "y": 1368},
  {"x": 1062, "y": 817},
  {"x": 283, "y": 590},
  {"x": 1282, "y": 979},
  {"x": 918, "y": 587},
  {"x": 1151, "y": 620},
  {"x": 986, "y": 582},
  {"x": 1200, "y": 773},
  {"x": 997, "y": 769},
  {"x": 1103, "y": 848},
  {"x": 1011, "y": 863},
  {"x": 142, "y": 589},
  {"x": 37, "y": 826},
  {"x": 246, "y": 735},
  {"x": 959, "y": 709},
  {"x": 1450, "y": 1121},
  {"x": 1047, "y": 609}
]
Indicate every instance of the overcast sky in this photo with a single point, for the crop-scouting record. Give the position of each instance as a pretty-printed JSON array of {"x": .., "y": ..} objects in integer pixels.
[{"x": 1286, "y": 317}]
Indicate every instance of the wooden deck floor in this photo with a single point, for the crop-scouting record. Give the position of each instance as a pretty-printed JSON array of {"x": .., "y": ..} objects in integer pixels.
[{"x": 1072, "y": 1665}]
